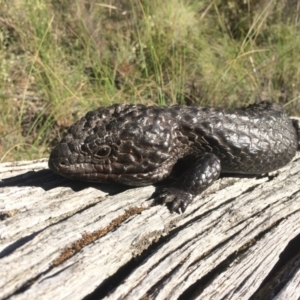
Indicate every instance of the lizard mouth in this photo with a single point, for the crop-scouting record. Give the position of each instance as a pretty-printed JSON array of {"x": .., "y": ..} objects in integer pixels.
[
  {"x": 87, "y": 172},
  {"x": 82, "y": 171},
  {"x": 68, "y": 163}
]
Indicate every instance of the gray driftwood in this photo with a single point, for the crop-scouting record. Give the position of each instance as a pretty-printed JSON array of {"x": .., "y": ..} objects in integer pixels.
[{"x": 61, "y": 239}]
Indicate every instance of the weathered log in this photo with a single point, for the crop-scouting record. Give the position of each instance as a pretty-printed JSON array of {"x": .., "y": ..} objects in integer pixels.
[{"x": 67, "y": 239}]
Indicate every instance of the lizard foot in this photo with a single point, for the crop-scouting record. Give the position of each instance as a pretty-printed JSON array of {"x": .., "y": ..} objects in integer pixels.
[{"x": 175, "y": 198}]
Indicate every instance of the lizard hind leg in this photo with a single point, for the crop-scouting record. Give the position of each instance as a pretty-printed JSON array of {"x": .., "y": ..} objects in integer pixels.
[{"x": 197, "y": 178}]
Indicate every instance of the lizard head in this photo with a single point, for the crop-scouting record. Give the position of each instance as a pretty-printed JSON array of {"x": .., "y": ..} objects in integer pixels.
[{"x": 129, "y": 144}]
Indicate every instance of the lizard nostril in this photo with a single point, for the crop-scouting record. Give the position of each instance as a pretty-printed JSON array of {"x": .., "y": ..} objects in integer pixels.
[{"x": 62, "y": 162}]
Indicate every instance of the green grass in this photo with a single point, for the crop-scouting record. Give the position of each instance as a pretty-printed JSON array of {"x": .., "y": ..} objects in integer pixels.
[{"x": 61, "y": 58}]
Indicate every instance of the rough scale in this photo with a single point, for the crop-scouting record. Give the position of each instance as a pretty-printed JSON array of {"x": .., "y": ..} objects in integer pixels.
[{"x": 138, "y": 145}]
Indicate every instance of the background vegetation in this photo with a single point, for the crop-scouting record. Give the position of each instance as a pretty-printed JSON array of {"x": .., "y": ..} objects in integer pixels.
[{"x": 61, "y": 58}]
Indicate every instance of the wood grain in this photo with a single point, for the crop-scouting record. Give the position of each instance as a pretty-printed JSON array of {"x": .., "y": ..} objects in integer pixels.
[{"x": 64, "y": 239}]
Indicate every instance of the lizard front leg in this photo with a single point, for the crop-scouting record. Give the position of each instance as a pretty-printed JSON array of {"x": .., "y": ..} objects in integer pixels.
[{"x": 197, "y": 178}]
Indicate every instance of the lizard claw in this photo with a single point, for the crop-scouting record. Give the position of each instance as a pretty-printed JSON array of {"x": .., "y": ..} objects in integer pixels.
[{"x": 175, "y": 198}]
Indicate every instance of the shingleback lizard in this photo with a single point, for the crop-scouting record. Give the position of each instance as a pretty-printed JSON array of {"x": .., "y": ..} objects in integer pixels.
[{"x": 138, "y": 145}]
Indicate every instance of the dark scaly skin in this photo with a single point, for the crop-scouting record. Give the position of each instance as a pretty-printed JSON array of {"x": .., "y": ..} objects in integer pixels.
[{"x": 138, "y": 145}]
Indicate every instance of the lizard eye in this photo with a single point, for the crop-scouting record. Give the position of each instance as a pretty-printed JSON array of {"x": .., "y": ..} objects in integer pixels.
[{"x": 102, "y": 151}]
